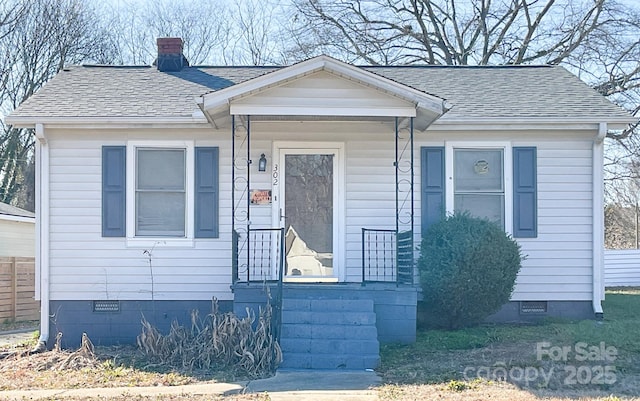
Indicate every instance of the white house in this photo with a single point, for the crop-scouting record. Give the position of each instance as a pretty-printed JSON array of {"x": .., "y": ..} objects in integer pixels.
[
  {"x": 17, "y": 232},
  {"x": 161, "y": 188}
]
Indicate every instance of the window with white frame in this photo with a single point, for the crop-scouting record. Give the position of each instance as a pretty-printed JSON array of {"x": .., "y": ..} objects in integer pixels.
[
  {"x": 160, "y": 192},
  {"x": 479, "y": 184}
]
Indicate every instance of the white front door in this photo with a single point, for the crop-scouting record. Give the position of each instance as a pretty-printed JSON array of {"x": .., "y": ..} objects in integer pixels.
[{"x": 308, "y": 186}]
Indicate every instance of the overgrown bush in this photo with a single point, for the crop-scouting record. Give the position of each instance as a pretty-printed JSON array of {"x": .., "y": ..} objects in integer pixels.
[
  {"x": 468, "y": 267},
  {"x": 221, "y": 341}
]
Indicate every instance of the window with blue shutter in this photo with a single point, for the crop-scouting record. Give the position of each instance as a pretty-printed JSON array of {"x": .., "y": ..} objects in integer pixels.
[
  {"x": 433, "y": 190},
  {"x": 206, "y": 192},
  {"x": 525, "y": 214},
  {"x": 113, "y": 191}
]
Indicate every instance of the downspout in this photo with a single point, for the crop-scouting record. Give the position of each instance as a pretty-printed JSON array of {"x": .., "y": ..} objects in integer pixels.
[
  {"x": 42, "y": 233},
  {"x": 598, "y": 221}
]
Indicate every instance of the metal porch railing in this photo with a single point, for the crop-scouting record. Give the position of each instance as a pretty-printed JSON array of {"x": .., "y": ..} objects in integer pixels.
[
  {"x": 258, "y": 256},
  {"x": 387, "y": 256}
]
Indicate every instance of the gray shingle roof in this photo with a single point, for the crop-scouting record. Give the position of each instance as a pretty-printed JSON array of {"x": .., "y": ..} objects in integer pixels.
[
  {"x": 483, "y": 92},
  {"x": 10, "y": 210}
]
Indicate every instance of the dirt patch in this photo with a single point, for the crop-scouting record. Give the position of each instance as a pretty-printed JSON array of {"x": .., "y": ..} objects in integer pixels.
[
  {"x": 22, "y": 325},
  {"x": 106, "y": 367},
  {"x": 482, "y": 390}
]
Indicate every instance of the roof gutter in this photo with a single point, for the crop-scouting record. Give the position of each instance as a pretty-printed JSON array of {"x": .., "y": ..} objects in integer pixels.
[
  {"x": 32, "y": 121},
  {"x": 42, "y": 235},
  {"x": 19, "y": 219},
  {"x": 598, "y": 220},
  {"x": 528, "y": 123}
]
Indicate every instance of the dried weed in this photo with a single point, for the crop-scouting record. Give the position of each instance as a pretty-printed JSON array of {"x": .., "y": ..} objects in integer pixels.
[{"x": 220, "y": 341}]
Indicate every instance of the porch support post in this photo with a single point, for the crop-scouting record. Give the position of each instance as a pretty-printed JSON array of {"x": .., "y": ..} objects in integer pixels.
[
  {"x": 404, "y": 201},
  {"x": 248, "y": 200},
  {"x": 412, "y": 180},
  {"x": 396, "y": 164},
  {"x": 234, "y": 236},
  {"x": 240, "y": 198}
]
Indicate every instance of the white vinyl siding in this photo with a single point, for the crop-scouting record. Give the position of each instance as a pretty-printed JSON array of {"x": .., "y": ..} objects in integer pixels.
[
  {"x": 86, "y": 266},
  {"x": 17, "y": 238},
  {"x": 322, "y": 93},
  {"x": 558, "y": 264},
  {"x": 622, "y": 267}
]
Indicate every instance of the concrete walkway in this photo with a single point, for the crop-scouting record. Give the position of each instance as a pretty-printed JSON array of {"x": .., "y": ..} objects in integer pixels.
[
  {"x": 16, "y": 336},
  {"x": 303, "y": 385},
  {"x": 286, "y": 385}
]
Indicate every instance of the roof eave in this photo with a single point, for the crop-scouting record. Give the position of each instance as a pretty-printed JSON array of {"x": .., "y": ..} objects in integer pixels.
[
  {"x": 613, "y": 123},
  {"x": 19, "y": 219},
  {"x": 31, "y": 121}
]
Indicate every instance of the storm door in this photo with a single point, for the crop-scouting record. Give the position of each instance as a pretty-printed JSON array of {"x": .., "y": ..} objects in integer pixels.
[{"x": 308, "y": 211}]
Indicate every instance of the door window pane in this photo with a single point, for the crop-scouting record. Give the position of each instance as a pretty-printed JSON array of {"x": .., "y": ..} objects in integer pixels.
[
  {"x": 160, "y": 192},
  {"x": 309, "y": 214}
]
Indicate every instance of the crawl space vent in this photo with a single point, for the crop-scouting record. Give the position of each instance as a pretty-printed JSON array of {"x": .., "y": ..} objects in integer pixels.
[
  {"x": 106, "y": 306},
  {"x": 533, "y": 307}
]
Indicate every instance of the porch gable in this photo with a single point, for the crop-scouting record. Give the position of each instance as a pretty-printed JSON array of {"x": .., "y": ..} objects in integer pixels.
[
  {"x": 323, "y": 86},
  {"x": 322, "y": 94}
]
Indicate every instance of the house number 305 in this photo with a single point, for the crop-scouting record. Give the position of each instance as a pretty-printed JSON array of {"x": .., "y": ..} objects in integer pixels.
[{"x": 275, "y": 174}]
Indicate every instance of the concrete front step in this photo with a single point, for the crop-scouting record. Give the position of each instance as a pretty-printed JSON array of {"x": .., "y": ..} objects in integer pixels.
[
  {"x": 329, "y": 333},
  {"x": 316, "y": 361},
  {"x": 327, "y": 305}
]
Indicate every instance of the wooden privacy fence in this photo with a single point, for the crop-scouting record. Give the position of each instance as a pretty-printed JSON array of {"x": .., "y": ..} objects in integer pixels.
[
  {"x": 17, "y": 289},
  {"x": 622, "y": 268}
]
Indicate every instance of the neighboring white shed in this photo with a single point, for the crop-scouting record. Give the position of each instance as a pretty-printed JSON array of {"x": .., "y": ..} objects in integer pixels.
[
  {"x": 17, "y": 232},
  {"x": 17, "y": 264},
  {"x": 622, "y": 267}
]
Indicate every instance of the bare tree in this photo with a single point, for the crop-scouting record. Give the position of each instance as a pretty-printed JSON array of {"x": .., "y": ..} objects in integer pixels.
[
  {"x": 259, "y": 37},
  {"x": 218, "y": 32},
  {"x": 44, "y": 36},
  {"x": 599, "y": 40}
]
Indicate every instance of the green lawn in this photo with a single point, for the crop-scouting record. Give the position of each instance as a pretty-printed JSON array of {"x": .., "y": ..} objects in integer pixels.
[{"x": 558, "y": 355}]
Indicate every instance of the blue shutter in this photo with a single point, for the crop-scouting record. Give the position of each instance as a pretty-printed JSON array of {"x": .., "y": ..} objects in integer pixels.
[
  {"x": 432, "y": 205},
  {"x": 206, "y": 192},
  {"x": 525, "y": 203},
  {"x": 113, "y": 191}
]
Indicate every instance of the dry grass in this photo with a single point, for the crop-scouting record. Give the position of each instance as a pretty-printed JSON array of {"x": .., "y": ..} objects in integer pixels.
[
  {"x": 431, "y": 369},
  {"x": 219, "y": 347},
  {"x": 160, "y": 397},
  {"x": 103, "y": 367},
  {"x": 483, "y": 390},
  {"x": 244, "y": 346},
  {"x": 9, "y": 325}
]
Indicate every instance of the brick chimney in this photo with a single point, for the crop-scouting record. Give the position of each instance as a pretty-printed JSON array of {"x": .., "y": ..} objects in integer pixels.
[{"x": 170, "y": 57}]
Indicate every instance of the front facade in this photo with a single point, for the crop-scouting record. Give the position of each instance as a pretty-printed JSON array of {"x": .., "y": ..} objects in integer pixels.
[{"x": 165, "y": 189}]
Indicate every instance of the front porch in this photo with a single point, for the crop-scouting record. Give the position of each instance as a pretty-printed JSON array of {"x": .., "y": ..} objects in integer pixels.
[
  {"x": 323, "y": 225},
  {"x": 333, "y": 326},
  {"x": 321, "y": 323}
]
